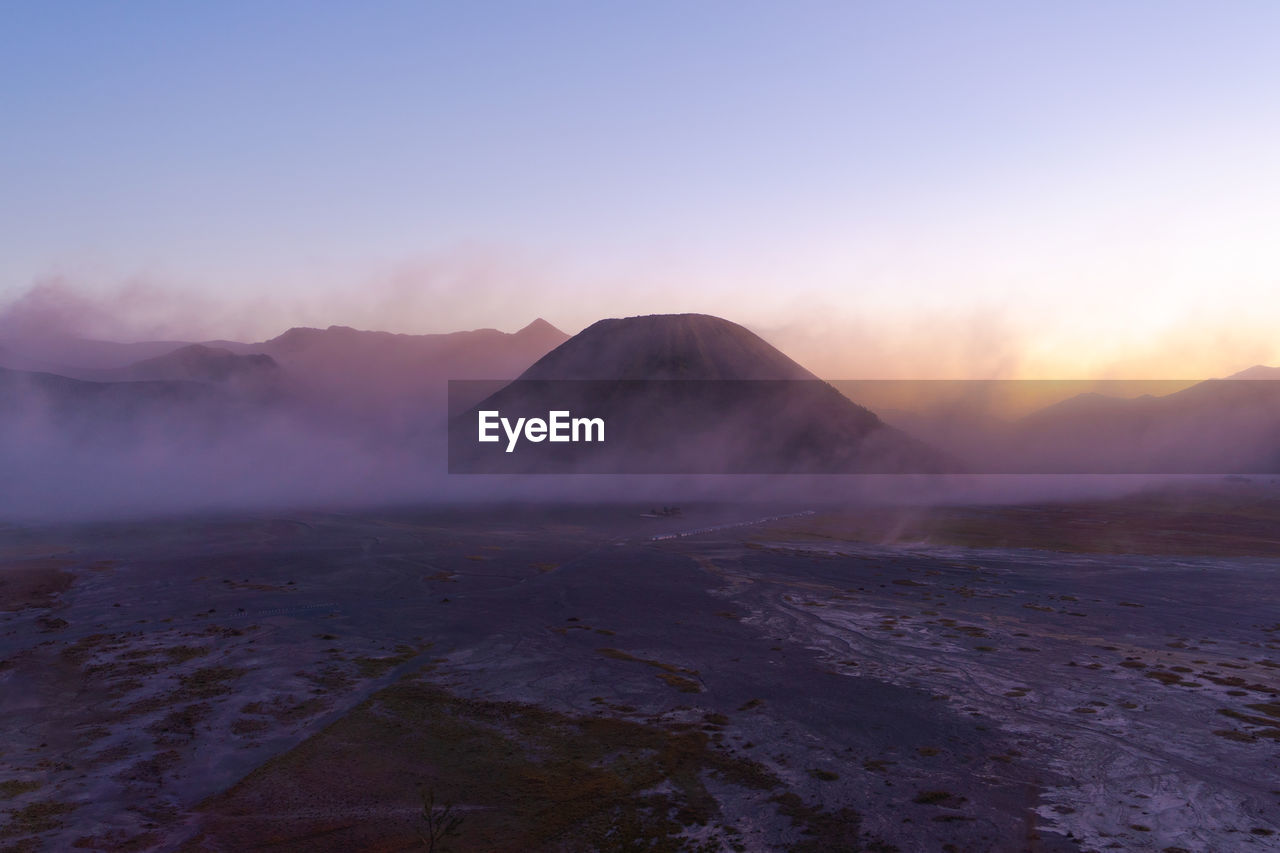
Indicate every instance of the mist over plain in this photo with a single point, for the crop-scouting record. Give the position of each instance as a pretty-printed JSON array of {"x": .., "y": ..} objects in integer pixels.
[{"x": 338, "y": 417}]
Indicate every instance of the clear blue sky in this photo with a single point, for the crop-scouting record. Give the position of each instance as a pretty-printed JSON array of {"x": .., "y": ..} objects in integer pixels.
[{"x": 1068, "y": 175}]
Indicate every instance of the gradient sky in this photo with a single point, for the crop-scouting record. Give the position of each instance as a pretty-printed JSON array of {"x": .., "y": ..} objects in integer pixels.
[{"x": 882, "y": 188}]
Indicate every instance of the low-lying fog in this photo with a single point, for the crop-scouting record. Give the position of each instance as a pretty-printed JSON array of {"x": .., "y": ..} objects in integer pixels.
[{"x": 340, "y": 417}]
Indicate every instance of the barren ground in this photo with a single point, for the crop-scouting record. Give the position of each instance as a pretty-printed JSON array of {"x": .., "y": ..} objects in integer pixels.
[{"x": 584, "y": 678}]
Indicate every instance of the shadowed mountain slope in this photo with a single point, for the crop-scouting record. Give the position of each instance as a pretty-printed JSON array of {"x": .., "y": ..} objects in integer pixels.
[
  {"x": 201, "y": 363},
  {"x": 42, "y": 406}
]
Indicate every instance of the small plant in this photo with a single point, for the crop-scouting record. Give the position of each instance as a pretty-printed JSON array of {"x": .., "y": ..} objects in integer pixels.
[{"x": 440, "y": 822}]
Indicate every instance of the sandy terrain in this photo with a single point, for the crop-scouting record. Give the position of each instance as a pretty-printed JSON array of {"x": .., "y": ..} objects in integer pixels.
[{"x": 744, "y": 678}]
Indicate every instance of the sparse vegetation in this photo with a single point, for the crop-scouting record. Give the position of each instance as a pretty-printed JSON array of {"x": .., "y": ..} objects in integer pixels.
[
  {"x": 684, "y": 685},
  {"x": 208, "y": 682},
  {"x": 184, "y": 653},
  {"x": 672, "y": 675},
  {"x": 938, "y": 798},
  {"x": 1163, "y": 676},
  {"x": 532, "y": 775},
  {"x": 11, "y": 788},
  {"x": 371, "y": 667},
  {"x": 35, "y": 818},
  {"x": 439, "y": 822}
]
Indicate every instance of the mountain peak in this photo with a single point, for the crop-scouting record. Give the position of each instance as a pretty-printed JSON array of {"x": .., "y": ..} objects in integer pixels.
[
  {"x": 538, "y": 327},
  {"x": 666, "y": 346},
  {"x": 541, "y": 334}
]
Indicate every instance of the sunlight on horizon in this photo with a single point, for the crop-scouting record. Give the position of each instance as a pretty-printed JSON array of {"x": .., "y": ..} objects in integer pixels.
[{"x": 895, "y": 190}]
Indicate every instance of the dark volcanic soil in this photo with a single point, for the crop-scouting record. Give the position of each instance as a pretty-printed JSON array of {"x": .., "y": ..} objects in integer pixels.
[{"x": 579, "y": 679}]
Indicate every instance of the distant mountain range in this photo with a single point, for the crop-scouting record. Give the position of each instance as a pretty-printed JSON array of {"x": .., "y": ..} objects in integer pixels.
[
  {"x": 483, "y": 353},
  {"x": 1224, "y": 426},
  {"x": 1216, "y": 426},
  {"x": 338, "y": 379},
  {"x": 402, "y": 374},
  {"x": 750, "y": 406},
  {"x": 185, "y": 363}
]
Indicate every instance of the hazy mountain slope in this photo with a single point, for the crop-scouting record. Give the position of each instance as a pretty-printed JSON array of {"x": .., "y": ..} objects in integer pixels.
[
  {"x": 482, "y": 353},
  {"x": 189, "y": 363},
  {"x": 201, "y": 363},
  {"x": 375, "y": 378},
  {"x": 40, "y": 407},
  {"x": 1258, "y": 371},
  {"x": 63, "y": 352},
  {"x": 1217, "y": 426},
  {"x": 477, "y": 353}
]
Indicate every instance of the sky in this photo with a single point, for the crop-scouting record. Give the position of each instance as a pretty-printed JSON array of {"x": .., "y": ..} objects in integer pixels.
[{"x": 900, "y": 189}]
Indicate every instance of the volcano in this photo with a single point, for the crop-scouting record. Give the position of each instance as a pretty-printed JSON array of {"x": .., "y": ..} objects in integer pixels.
[{"x": 684, "y": 393}]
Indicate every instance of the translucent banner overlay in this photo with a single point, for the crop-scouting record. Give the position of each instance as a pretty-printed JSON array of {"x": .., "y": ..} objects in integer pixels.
[{"x": 1214, "y": 427}]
